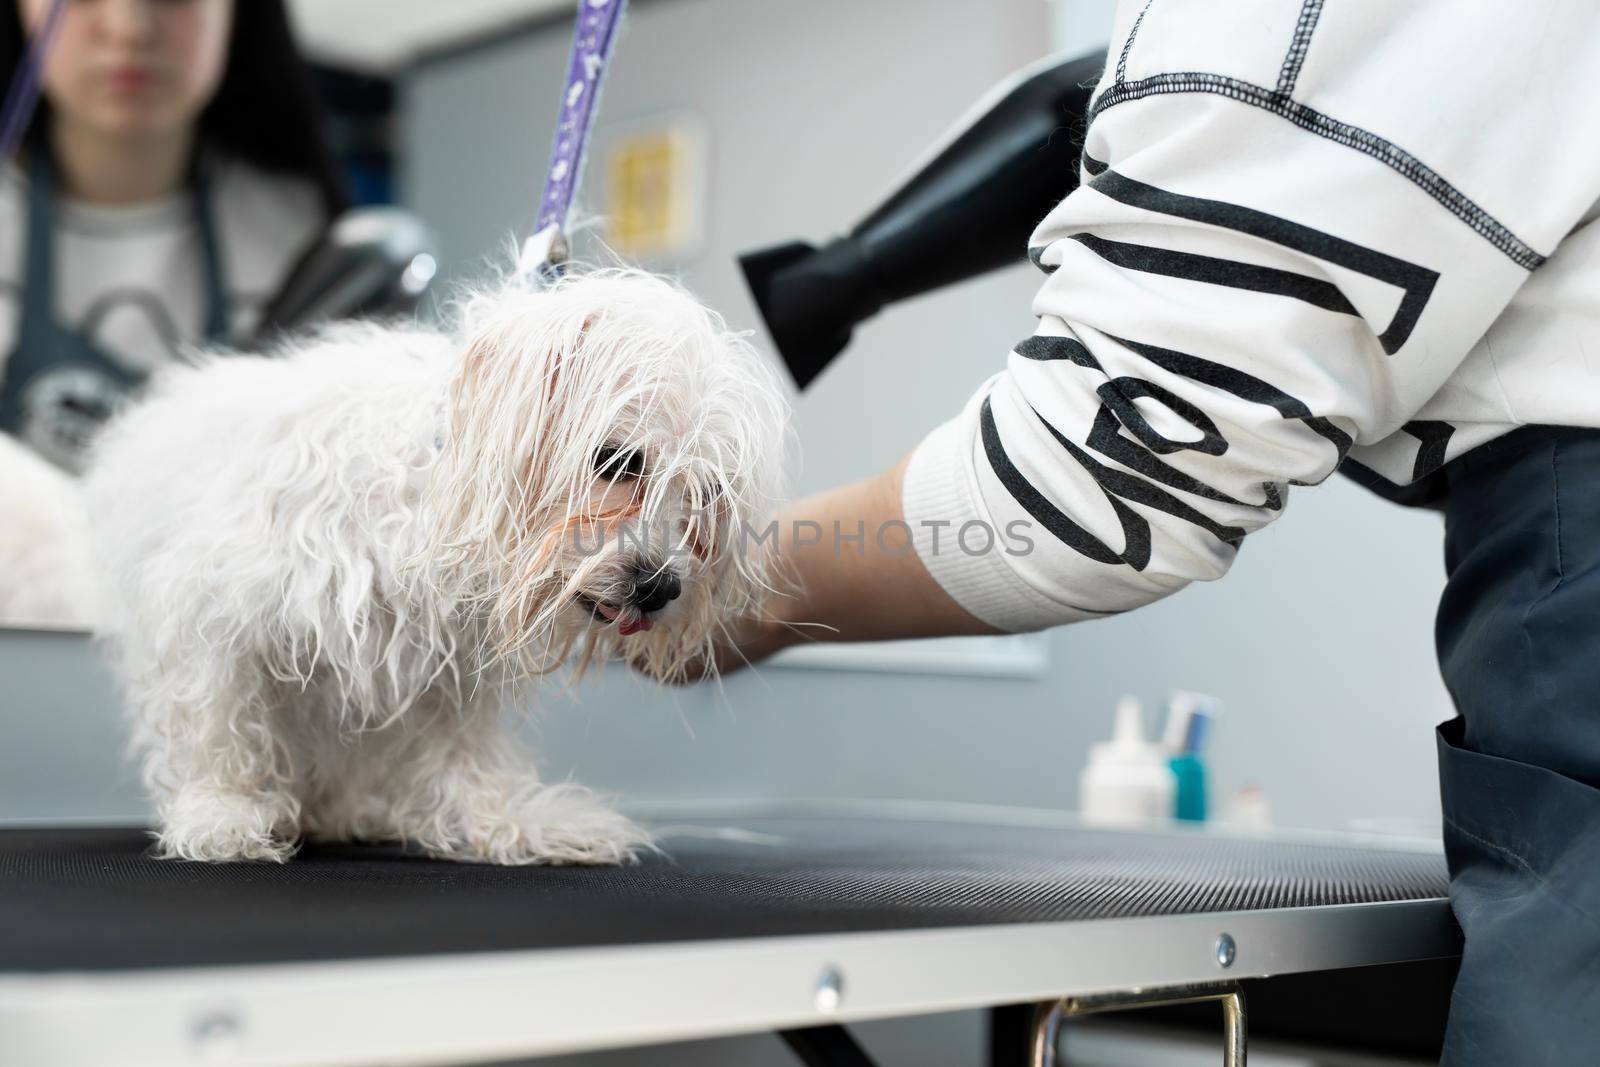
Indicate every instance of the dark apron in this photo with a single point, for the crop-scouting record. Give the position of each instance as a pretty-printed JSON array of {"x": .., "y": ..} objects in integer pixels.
[
  {"x": 1519, "y": 646},
  {"x": 58, "y": 388}
]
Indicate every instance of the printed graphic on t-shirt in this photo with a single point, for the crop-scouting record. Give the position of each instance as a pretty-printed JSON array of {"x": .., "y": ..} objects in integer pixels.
[{"x": 62, "y": 407}]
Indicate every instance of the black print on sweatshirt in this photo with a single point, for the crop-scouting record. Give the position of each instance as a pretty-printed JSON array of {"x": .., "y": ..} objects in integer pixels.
[
  {"x": 1120, "y": 433},
  {"x": 1415, "y": 282}
]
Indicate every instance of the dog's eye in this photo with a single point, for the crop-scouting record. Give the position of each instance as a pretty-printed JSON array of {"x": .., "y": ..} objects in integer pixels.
[{"x": 611, "y": 463}]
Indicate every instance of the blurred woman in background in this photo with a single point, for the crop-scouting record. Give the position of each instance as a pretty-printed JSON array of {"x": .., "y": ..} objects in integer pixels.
[
  {"x": 170, "y": 178},
  {"x": 172, "y": 174}
]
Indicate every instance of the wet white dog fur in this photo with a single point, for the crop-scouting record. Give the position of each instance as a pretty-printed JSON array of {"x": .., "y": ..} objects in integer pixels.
[{"x": 332, "y": 577}]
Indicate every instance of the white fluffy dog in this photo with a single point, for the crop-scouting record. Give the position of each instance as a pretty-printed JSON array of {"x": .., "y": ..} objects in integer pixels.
[{"x": 326, "y": 572}]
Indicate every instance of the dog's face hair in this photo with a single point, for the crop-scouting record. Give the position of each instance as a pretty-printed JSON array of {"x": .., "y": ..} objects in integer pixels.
[{"x": 608, "y": 445}]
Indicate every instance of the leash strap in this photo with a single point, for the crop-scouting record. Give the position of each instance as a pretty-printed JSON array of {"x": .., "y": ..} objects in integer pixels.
[
  {"x": 593, "y": 38},
  {"x": 23, "y": 92}
]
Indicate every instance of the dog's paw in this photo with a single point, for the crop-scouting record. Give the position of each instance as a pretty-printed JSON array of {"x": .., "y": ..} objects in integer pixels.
[
  {"x": 222, "y": 827},
  {"x": 556, "y": 825}
]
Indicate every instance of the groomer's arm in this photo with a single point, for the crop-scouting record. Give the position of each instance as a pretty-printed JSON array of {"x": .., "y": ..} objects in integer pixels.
[
  {"x": 844, "y": 589},
  {"x": 1294, "y": 224}
]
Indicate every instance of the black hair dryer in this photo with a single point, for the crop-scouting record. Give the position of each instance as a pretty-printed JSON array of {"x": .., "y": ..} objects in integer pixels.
[{"x": 969, "y": 210}]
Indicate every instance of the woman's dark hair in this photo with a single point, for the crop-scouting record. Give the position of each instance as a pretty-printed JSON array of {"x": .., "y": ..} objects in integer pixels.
[{"x": 265, "y": 111}]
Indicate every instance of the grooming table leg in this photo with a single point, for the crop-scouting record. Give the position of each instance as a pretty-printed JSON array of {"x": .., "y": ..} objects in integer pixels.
[
  {"x": 1047, "y": 1017},
  {"x": 825, "y": 1046},
  {"x": 1010, "y": 1035}
]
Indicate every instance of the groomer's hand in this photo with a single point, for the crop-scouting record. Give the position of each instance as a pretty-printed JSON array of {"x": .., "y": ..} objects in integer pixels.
[{"x": 833, "y": 589}]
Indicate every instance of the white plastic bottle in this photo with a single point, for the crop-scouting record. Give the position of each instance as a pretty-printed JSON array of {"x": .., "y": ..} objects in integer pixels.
[{"x": 1128, "y": 780}]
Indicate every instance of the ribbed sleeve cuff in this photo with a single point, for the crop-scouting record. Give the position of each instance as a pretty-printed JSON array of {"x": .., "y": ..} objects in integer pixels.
[{"x": 939, "y": 496}]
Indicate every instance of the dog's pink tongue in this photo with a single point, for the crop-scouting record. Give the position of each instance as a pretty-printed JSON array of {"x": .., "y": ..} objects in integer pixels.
[
  {"x": 632, "y": 624},
  {"x": 608, "y": 612}
]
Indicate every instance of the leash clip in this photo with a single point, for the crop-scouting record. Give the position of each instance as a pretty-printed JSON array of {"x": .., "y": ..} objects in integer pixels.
[{"x": 543, "y": 256}]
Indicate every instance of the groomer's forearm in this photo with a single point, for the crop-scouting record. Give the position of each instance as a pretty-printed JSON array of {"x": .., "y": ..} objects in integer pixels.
[{"x": 847, "y": 590}]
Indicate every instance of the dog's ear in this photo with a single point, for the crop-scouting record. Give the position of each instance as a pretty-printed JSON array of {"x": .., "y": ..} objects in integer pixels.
[
  {"x": 498, "y": 366},
  {"x": 517, "y": 360},
  {"x": 522, "y": 402},
  {"x": 491, "y": 445}
]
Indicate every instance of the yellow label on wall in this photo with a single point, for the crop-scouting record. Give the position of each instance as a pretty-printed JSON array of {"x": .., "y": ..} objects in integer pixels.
[{"x": 651, "y": 191}]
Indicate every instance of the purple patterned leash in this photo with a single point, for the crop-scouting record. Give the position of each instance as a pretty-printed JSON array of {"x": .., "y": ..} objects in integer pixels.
[
  {"x": 593, "y": 38},
  {"x": 23, "y": 92}
]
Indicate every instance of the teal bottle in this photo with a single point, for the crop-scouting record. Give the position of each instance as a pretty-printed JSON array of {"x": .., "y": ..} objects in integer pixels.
[{"x": 1190, "y": 800}]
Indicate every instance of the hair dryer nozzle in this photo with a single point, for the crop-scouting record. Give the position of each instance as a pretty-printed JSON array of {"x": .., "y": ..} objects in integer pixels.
[
  {"x": 369, "y": 261},
  {"x": 811, "y": 298}
]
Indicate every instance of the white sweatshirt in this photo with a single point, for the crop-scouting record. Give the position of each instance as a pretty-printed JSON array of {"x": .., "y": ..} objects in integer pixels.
[{"x": 1306, "y": 232}]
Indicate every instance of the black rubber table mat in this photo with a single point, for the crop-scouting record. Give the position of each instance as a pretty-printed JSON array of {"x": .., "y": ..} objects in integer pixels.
[{"x": 93, "y": 899}]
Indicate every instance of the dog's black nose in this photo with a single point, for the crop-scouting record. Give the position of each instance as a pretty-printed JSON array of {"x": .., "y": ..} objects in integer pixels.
[{"x": 654, "y": 589}]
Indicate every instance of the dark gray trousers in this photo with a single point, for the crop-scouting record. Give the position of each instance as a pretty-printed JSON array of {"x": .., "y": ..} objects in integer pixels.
[{"x": 1519, "y": 644}]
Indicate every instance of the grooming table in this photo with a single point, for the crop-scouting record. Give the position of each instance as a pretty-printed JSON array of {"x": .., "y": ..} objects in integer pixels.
[{"x": 751, "y": 920}]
